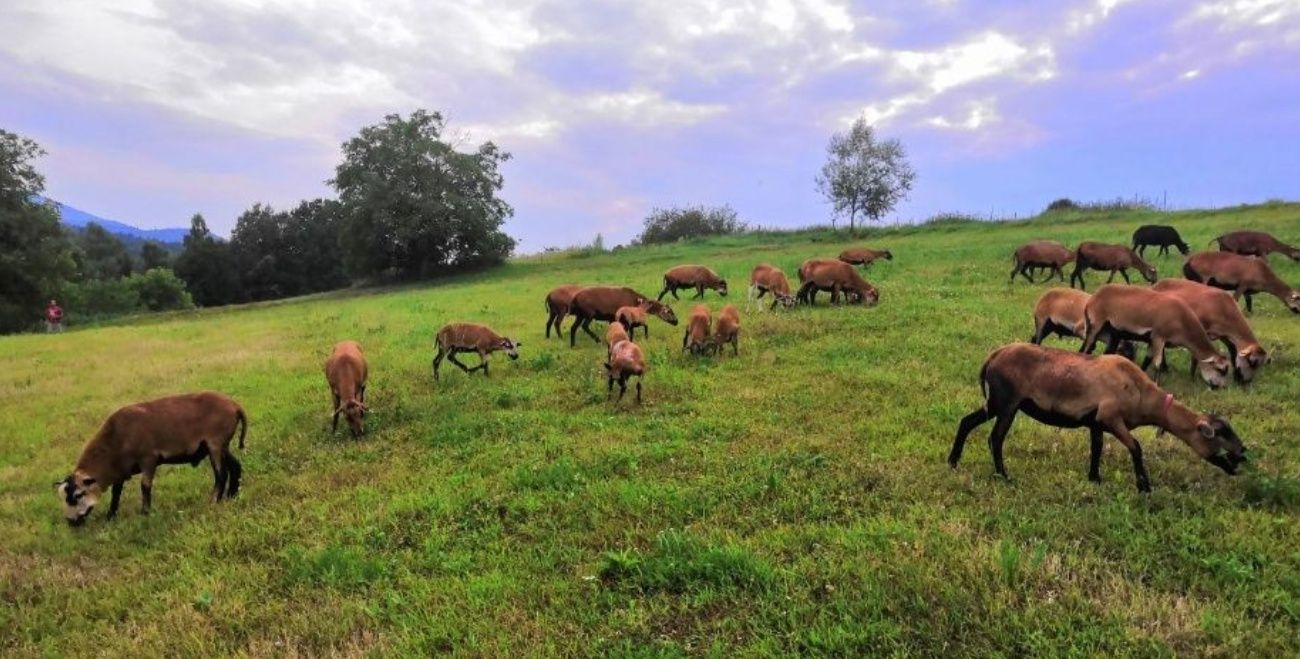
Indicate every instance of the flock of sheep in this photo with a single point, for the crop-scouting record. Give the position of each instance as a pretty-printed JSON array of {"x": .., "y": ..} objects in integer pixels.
[{"x": 1109, "y": 393}]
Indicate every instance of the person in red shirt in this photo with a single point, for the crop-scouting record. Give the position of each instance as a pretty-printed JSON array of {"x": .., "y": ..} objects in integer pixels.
[{"x": 53, "y": 317}]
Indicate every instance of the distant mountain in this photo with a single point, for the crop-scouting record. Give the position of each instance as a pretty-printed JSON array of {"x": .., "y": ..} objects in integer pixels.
[{"x": 77, "y": 218}]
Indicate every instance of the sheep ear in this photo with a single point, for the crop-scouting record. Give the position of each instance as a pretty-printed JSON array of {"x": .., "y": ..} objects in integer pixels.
[{"x": 1207, "y": 431}]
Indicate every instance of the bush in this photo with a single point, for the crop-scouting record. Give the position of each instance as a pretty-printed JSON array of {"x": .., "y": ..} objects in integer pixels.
[
  {"x": 98, "y": 299},
  {"x": 159, "y": 289},
  {"x": 668, "y": 225},
  {"x": 1062, "y": 204}
]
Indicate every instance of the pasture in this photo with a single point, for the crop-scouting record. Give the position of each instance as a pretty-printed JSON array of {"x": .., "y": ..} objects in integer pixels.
[{"x": 794, "y": 499}]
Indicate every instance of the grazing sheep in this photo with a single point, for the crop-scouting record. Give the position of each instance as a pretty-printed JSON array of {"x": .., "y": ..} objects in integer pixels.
[
  {"x": 864, "y": 257},
  {"x": 613, "y": 334},
  {"x": 1038, "y": 254},
  {"x": 1254, "y": 243},
  {"x": 1158, "y": 235},
  {"x": 727, "y": 330},
  {"x": 1223, "y": 321},
  {"x": 1104, "y": 394},
  {"x": 1115, "y": 258},
  {"x": 769, "y": 278},
  {"x": 834, "y": 276},
  {"x": 625, "y": 361},
  {"x": 1160, "y": 319},
  {"x": 692, "y": 276},
  {"x": 137, "y": 438},
  {"x": 557, "y": 307},
  {"x": 345, "y": 371},
  {"x": 1060, "y": 311},
  {"x": 634, "y": 317},
  {"x": 696, "y": 336},
  {"x": 602, "y": 302},
  {"x": 1242, "y": 275},
  {"x": 455, "y": 338}
]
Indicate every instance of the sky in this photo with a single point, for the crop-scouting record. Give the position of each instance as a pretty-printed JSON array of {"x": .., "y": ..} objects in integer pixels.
[{"x": 152, "y": 111}]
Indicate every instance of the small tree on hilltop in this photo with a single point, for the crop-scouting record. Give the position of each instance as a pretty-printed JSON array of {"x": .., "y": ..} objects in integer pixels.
[
  {"x": 666, "y": 225},
  {"x": 864, "y": 177}
]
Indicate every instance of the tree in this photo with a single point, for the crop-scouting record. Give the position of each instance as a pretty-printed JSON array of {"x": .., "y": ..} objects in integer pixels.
[
  {"x": 281, "y": 254},
  {"x": 666, "y": 225},
  {"x": 159, "y": 289},
  {"x": 863, "y": 176},
  {"x": 35, "y": 252},
  {"x": 102, "y": 255},
  {"x": 208, "y": 267},
  {"x": 414, "y": 206},
  {"x": 154, "y": 255}
]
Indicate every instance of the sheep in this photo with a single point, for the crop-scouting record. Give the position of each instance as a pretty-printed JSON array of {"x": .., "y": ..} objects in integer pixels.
[
  {"x": 769, "y": 278},
  {"x": 455, "y": 338},
  {"x": 1040, "y": 254},
  {"x": 727, "y": 330},
  {"x": 1060, "y": 311},
  {"x": 692, "y": 276},
  {"x": 625, "y": 361},
  {"x": 696, "y": 336},
  {"x": 1115, "y": 258},
  {"x": 1223, "y": 321},
  {"x": 633, "y": 317},
  {"x": 1158, "y": 235},
  {"x": 1242, "y": 275},
  {"x": 1254, "y": 243},
  {"x": 1141, "y": 314},
  {"x": 1104, "y": 394},
  {"x": 613, "y": 334},
  {"x": 834, "y": 276},
  {"x": 345, "y": 372},
  {"x": 864, "y": 257},
  {"x": 137, "y": 438},
  {"x": 602, "y": 302},
  {"x": 557, "y": 307}
]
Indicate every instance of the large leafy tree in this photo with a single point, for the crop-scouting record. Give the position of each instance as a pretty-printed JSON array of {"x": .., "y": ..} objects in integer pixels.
[
  {"x": 208, "y": 266},
  {"x": 154, "y": 255},
  {"x": 864, "y": 177},
  {"x": 103, "y": 255},
  {"x": 35, "y": 252},
  {"x": 413, "y": 205},
  {"x": 289, "y": 253}
]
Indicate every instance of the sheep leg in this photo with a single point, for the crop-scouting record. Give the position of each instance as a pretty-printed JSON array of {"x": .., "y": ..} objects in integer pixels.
[
  {"x": 1015, "y": 270},
  {"x": 337, "y": 409},
  {"x": 645, "y": 328},
  {"x": 550, "y": 322},
  {"x": 146, "y": 485},
  {"x": 1125, "y": 273},
  {"x": 735, "y": 344},
  {"x": 997, "y": 437},
  {"x": 968, "y": 423},
  {"x": 1094, "y": 457},
  {"x": 483, "y": 362},
  {"x": 609, "y": 384},
  {"x": 451, "y": 356},
  {"x": 1040, "y": 331},
  {"x": 1060, "y": 273},
  {"x": 1120, "y": 431},
  {"x": 1250, "y": 302},
  {"x": 638, "y": 390},
  {"x": 573, "y": 330},
  {"x": 217, "y": 456},
  {"x": 699, "y": 291},
  {"x": 437, "y": 361},
  {"x": 686, "y": 336},
  {"x": 1111, "y": 278},
  {"x": 622, "y": 386},
  {"x": 115, "y": 500},
  {"x": 234, "y": 470},
  {"x": 586, "y": 327},
  {"x": 1090, "y": 340}
]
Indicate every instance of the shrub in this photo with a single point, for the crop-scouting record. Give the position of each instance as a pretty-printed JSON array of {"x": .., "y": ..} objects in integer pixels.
[
  {"x": 159, "y": 289},
  {"x": 97, "y": 299},
  {"x": 1062, "y": 204},
  {"x": 667, "y": 225}
]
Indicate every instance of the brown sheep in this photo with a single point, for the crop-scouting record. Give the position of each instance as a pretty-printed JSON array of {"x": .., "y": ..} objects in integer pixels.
[
  {"x": 727, "y": 330},
  {"x": 625, "y": 361},
  {"x": 455, "y": 338},
  {"x": 692, "y": 276},
  {"x": 615, "y": 333},
  {"x": 864, "y": 257},
  {"x": 634, "y": 317},
  {"x": 345, "y": 372},
  {"x": 768, "y": 278},
  {"x": 1041, "y": 254},
  {"x": 137, "y": 438},
  {"x": 1060, "y": 311},
  {"x": 602, "y": 302},
  {"x": 696, "y": 336},
  {"x": 1104, "y": 394},
  {"x": 1160, "y": 319},
  {"x": 1255, "y": 243},
  {"x": 1223, "y": 321},
  {"x": 557, "y": 307},
  {"x": 1242, "y": 275},
  {"x": 1115, "y": 258},
  {"x": 837, "y": 277}
]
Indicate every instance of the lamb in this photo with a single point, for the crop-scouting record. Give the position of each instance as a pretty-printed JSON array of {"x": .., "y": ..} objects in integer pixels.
[
  {"x": 1115, "y": 258},
  {"x": 1223, "y": 321},
  {"x": 633, "y": 317},
  {"x": 769, "y": 278},
  {"x": 1040, "y": 254},
  {"x": 625, "y": 361},
  {"x": 345, "y": 372},
  {"x": 1158, "y": 235},
  {"x": 696, "y": 336},
  {"x": 137, "y": 438},
  {"x": 602, "y": 302},
  {"x": 1242, "y": 275},
  {"x": 1254, "y": 243},
  {"x": 1060, "y": 311},
  {"x": 692, "y": 276},
  {"x": 834, "y": 276},
  {"x": 1141, "y": 314},
  {"x": 557, "y": 307},
  {"x": 613, "y": 334},
  {"x": 727, "y": 330},
  {"x": 864, "y": 257},
  {"x": 455, "y": 338},
  {"x": 1104, "y": 394}
]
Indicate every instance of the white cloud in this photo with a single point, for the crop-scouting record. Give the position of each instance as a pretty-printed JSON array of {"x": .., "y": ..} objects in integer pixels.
[{"x": 978, "y": 114}]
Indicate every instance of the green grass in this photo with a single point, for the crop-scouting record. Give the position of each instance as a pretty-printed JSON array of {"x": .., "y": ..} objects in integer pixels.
[{"x": 792, "y": 500}]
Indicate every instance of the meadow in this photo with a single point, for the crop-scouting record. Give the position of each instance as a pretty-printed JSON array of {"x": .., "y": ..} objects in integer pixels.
[{"x": 794, "y": 499}]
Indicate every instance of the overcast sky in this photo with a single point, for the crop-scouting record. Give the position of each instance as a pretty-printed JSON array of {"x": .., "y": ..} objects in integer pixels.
[{"x": 152, "y": 111}]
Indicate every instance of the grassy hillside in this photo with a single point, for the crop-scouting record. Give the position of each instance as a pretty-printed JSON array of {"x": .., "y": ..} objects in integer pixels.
[{"x": 794, "y": 499}]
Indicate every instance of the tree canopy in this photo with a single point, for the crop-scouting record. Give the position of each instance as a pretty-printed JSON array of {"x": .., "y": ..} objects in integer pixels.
[
  {"x": 208, "y": 267},
  {"x": 666, "y": 225},
  {"x": 281, "y": 254},
  {"x": 864, "y": 177}
]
